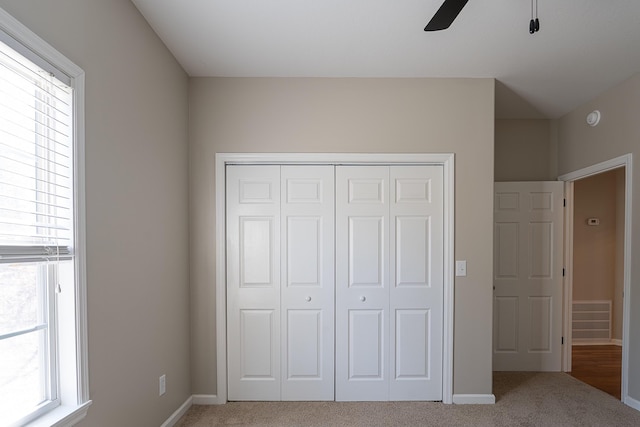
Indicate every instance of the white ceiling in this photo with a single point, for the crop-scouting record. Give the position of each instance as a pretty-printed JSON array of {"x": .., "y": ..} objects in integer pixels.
[{"x": 583, "y": 47}]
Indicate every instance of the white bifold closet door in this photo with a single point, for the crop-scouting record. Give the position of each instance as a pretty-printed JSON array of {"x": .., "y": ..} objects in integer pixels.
[
  {"x": 389, "y": 282},
  {"x": 381, "y": 291},
  {"x": 280, "y": 282}
]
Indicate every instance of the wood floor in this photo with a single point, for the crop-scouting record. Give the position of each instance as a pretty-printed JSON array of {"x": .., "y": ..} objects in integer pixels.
[{"x": 599, "y": 366}]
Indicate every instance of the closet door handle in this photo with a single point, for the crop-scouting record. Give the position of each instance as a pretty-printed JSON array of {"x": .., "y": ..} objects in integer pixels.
[
  {"x": 307, "y": 299},
  {"x": 363, "y": 298}
]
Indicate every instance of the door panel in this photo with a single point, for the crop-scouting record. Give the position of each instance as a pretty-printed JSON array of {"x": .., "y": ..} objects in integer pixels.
[
  {"x": 256, "y": 342},
  {"x": 253, "y": 282},
  {"x": 412, "y": 344},
  {"x": 366, "y": 345},
  {"x": 307, "y": 294},
  {"x": 366, "y": 251},
  {"x": 506, "y": 243},
  {"x": 412, "y": 251},
  {"x": 416, "y": 291},
  {"x": 540, "y": 320},
  {"x": 304, "y": 344},
  {"x": 506, "y": 315},
  {"x": 528, "y": 236},
  {"x": 304, "y": 248},
  {"x": 541, "y": 250},
  {"x": 362, "y": 283},
  {"x": 256, "y": 251}
]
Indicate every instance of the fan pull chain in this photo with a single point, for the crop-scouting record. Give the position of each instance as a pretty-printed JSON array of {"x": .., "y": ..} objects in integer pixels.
[{"x": 534, "y": 24}]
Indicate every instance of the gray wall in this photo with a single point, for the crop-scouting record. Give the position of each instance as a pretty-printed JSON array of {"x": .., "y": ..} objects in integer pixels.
[
  {"x": 594, "y": 246},
  {"x": 524, "y": 150},
  {"x": 137, "y": 221},
  {"x": 618, "y": 133},
  {"x": 351, "y": 115}
]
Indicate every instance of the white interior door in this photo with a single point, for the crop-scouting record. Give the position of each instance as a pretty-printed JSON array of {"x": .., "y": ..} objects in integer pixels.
[
  {"x": 528, "y": 235},
  {"x": 389, "y": 282},
  {"x": 307, "y": 295},
  {"x": 253, "y": 282}
]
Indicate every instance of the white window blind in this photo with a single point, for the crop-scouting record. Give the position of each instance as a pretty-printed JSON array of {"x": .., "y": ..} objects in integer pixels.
[{"x": 36, "y": 163}]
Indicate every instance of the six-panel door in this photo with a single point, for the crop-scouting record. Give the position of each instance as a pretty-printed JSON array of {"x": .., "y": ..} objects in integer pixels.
[{"x": 527, "y": 309}]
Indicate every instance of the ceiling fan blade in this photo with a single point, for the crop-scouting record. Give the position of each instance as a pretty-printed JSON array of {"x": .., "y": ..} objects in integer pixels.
[{"x": 445, "y": 15}]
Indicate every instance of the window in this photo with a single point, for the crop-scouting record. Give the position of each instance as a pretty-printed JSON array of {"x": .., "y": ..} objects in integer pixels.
[{"x": 43, "y": 359}]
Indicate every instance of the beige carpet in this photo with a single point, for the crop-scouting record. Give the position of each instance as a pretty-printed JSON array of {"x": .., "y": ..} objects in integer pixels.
[{"x": 522, "y": 399}]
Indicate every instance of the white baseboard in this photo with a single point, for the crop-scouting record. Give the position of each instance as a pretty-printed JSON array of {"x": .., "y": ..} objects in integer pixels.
[
  {"x": 173, "y": 419},
  {"x": 474, "y": 399},
  {"x": 205, "y": 399},
  {"x": 630, "y": 401},
  {"x": 196, "y": 399}
]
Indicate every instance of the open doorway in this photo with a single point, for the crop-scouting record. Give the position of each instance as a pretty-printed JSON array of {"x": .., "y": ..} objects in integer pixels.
[
  {"x": 597, "y": 249},
  {"x": 598, "y": 280}
]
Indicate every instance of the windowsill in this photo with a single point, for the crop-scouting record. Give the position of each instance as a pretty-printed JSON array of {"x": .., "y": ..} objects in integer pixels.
[{"x": 62, "y": 416}]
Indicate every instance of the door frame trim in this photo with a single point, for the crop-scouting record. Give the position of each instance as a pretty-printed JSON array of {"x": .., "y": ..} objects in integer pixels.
[
  {"x": 446, "y": 160},
  {"x": 625, "y": 161}
]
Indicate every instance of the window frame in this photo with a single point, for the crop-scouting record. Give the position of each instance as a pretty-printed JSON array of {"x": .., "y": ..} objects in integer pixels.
[
  {"x": 45, "y": 332},
  {"x": 71, "y": 335}
]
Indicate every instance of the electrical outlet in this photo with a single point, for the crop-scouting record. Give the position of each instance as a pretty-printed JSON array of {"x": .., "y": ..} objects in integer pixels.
[{"x": 163, "y": 384}]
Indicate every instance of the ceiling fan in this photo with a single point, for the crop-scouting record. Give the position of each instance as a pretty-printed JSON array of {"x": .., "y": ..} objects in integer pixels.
[
  {"x": 445, "y": 15},
  {"x": 450, "y": 9}
]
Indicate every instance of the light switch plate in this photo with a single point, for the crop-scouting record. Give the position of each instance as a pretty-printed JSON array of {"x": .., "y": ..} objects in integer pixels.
[
  {"x": 461, "y": 268},
  {"x": 162, "y": 383}
]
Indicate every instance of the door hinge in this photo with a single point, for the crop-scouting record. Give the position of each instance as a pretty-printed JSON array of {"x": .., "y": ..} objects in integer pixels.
[
  {"x": 564, "y": 203},
  {"x": 562, "y": 340},
  {"x": 563, "y": 272}
]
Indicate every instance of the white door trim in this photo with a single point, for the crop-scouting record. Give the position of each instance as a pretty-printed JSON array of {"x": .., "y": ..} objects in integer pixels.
[
  {"x": 567, "y": 295},
  {"x": 447, "y": 160},
  {"x": 625, "y": 161}
]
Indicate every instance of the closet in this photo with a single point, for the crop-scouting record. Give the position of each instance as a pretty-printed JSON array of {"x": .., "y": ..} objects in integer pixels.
[{"x": 334, "y": 282}]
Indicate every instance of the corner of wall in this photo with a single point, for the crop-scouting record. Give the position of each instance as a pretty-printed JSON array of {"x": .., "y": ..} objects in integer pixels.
[{"x": 553, "y": 149}]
